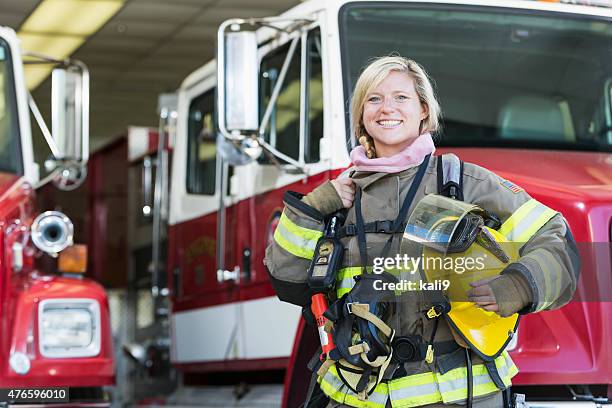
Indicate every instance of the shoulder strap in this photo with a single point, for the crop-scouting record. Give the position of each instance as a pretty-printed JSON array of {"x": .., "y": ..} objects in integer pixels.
[
  {"x": 450, "y": 176},
  {"x": 398, "y": 224}
]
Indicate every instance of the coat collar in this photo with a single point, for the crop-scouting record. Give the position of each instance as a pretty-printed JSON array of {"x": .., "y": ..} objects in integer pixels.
[{"x": 363, "y": 179}]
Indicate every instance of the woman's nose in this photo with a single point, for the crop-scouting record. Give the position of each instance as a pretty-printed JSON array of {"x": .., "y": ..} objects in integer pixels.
[{"x": 388, "y": 105}]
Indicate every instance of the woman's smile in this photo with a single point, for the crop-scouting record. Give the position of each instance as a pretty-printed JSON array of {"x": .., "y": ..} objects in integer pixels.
[{"x": 390, "y": 123}]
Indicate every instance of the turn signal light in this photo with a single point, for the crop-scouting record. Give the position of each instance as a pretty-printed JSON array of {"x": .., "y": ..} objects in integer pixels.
[{"x": 73, "y": 259}]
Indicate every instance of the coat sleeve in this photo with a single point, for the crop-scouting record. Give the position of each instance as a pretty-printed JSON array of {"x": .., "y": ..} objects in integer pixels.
[
  {"x": 546, "y": 273},
  {"x": 288, "y": 256}
]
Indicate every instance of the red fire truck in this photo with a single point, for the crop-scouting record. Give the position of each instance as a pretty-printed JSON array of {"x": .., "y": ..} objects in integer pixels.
[
  {"x": 526, "y": 91},
  {"x": 54, "y": 327}
]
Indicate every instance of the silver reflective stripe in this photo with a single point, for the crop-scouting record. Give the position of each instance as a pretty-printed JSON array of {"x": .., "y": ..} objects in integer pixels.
[
  {"x": 414, "y": 391},
  {"x": 338, "y": 385},
  {"x": 346, "y": 283},
  {"x": 451, "y": 168},
  {"x": 333, "y": 380},
  {"x": 376, "y": 397},
  {"x": 460, "y": 383},
  {"x": 296, "y": 240}
]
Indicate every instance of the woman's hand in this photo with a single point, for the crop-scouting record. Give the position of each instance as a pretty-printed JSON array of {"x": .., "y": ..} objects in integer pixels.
[
  {"x": 482, "y": 295},
  {"x": 346, "y": 190}
]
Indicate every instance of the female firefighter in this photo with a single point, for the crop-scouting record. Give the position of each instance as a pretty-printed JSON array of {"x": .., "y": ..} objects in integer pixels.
[{"x": 409, "y": 354}]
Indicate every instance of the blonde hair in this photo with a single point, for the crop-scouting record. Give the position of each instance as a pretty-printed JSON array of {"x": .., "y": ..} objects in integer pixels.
[{"x": 372, "y": 76}]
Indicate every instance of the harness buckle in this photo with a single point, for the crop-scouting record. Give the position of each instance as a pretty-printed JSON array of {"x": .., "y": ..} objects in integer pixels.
[
  {"x": 384, "y": 226},
  {"x": 433, "y": 312},
  {"x": 429, "y": 355},
  {"x": 349, "y": 307},
  {"x": 349, "y": 230}
]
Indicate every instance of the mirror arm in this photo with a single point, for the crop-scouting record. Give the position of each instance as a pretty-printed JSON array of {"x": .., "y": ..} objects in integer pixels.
[
  {"x": 48, "y": 178},
  {"x": 277, "y": 87},
  {"x": 43, "y": 127},
  {"x": 299, "y": 166}
]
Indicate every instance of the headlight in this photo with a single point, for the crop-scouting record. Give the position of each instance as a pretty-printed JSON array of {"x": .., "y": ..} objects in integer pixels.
[{"x": 69, "y": 328}]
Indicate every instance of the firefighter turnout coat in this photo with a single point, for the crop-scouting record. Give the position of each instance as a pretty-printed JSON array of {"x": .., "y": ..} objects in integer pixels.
[{"x": 543, "y": 278}]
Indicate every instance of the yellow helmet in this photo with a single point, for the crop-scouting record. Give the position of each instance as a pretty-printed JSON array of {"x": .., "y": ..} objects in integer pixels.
[{"x": 458, "y": 248}]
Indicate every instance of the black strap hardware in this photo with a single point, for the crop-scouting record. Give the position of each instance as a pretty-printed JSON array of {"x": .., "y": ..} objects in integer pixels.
[{"x": 379, "y": 227}]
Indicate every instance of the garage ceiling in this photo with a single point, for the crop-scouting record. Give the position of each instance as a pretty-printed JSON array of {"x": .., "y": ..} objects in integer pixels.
[{"x": 146, "y": 49}]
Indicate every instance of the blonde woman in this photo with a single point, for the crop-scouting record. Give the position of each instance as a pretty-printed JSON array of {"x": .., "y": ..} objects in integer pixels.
[{"x": 394, "y": 114}]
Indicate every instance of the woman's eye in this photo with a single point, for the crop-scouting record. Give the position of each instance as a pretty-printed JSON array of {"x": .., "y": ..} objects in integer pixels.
[
  {"x": 401, "y": 97},
  {"x": 374, "y": 99}
]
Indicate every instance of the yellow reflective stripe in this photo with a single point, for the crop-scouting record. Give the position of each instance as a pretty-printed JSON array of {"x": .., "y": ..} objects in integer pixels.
[
  {"x": 508, "y": 226},
  {"x": 288, "y": 246},
  {"x": 302, "y": 232},
  {"x": 545, "y": 215},
  {"x": 349, "y": 272},
  {"x": 345, "y": 279},
  {"x": 333, "y": 387},
  {"x": 430, "y": 388},
  {"x": 296, "y": 240},
  {"x": 414, "y": 390},
  {"x": 422, "y": 389},
  {"x": 512, "y": 370},
  {"x": 548, "y": 278},
  {"x": 552, "y": 270},
  {"x": 538, "y": 256},
  {"x": 526, "y": 221}
]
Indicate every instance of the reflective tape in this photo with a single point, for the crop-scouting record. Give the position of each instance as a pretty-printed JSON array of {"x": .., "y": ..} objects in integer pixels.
[
  {"x": 346, "y": 279},
  {"x": 526, "y": 221},
  {"x": 296, "y": 240},
  {"x": 451, "y": 387},
  {"x": 333, "y": 387},
  {"x": 551, "y": 271},
  {"x": 422, "y": 389}
]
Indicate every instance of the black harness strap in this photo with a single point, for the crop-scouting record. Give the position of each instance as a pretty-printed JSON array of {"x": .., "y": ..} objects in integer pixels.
[
  {"x": 399, "y": 221},
  {"x": 361, "y": 240},
  {"x": 378, "y": 227}
]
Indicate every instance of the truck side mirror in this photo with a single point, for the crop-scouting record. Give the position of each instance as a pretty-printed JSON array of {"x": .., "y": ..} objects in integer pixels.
[
  {"x": 70, "y": 112},
  {"x": 238, "y": 92}
]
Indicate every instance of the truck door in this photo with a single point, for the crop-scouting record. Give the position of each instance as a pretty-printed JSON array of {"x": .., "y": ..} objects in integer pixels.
[
  {"x": 295, "y": 129},
  {"x": 198, "y": 296}
]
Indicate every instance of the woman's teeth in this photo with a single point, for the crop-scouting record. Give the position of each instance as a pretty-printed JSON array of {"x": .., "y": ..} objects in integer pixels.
[{"x": 389, "y": 123}]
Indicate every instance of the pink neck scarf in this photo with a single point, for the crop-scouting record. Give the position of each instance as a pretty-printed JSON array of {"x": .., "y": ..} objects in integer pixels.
[{"x": 411, "y": 156}]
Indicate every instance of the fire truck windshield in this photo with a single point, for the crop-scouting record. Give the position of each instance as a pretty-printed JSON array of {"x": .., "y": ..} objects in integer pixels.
[
  {"x": 10, "y": 152},
  {"x": 504, "y": 78}
]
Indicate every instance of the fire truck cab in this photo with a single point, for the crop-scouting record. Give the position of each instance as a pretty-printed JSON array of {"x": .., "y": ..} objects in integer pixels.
[{"x": 54, "y": 327}]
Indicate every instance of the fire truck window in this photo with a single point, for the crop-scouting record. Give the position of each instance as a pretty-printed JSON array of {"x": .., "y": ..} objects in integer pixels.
[
  {"x": 10, "y": 154},
  {"x": 314, "y": 129},
  {"x": 283, "y": 130},
  {"x": 201, "y": 150},
  {"x": 601, "y": 123},
  {"x": 504, "y": 79}
]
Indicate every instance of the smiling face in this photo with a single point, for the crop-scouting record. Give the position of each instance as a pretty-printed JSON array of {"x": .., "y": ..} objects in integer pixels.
[{"x": 392, "y": 114}]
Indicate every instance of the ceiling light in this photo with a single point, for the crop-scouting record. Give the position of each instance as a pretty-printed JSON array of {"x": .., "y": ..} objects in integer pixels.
[
  {"x": 57, "y": 28},
  {"x": 76, "y": 17}
]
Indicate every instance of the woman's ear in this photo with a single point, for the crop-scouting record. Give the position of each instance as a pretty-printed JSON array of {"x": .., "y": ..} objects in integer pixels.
[{"x": 424, "y": 111}]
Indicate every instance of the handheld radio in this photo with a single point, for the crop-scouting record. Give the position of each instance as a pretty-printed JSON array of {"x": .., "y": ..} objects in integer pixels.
[{"x": 322, "y": 275}]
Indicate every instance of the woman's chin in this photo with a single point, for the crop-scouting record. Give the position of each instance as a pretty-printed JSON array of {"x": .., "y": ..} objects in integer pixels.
[{"x": 398, "y": 142}]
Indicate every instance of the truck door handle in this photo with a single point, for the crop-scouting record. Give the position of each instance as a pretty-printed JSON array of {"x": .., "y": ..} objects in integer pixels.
[{"x": 224, "y": 275}]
